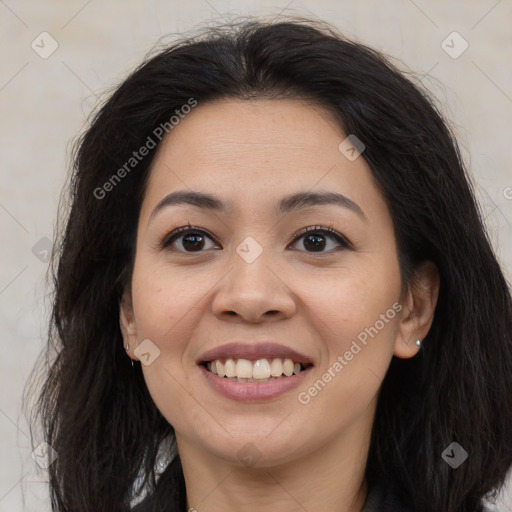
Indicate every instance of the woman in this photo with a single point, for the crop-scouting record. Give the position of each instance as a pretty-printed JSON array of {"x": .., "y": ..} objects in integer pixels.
[{"x": 274, "y": 290}]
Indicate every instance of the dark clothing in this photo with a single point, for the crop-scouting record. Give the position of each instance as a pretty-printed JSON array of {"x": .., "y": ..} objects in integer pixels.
[{"x": 377, "y": 500}]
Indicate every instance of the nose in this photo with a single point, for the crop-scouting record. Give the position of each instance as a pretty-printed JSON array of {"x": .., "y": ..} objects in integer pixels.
[{"x": 254, "y": 292}]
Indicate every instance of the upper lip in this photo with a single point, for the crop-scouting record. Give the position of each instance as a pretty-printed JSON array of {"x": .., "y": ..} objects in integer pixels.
[{"x": 262, "y": 350}]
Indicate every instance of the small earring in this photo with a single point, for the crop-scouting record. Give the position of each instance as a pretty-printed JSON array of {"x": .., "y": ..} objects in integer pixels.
[{"x": 418, "y": 343}]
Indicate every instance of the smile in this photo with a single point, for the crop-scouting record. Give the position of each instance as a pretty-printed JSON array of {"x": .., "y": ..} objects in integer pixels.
[
  {"x": 261, "y": 370},
  {"x": 243, "y": 389}
]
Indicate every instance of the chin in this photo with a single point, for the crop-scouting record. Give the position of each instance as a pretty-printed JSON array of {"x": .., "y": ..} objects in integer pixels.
[{"x": 256, "y": 450}]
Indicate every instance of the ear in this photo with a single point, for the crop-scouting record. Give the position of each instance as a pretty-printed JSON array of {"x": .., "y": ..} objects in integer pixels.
[
  {"x": 127, "y": 323},
  {"x": 418, "y": 310}
]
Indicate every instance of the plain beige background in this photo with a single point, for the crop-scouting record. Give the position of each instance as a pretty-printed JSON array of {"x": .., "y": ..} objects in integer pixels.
[{"x": 45, "y": 98}]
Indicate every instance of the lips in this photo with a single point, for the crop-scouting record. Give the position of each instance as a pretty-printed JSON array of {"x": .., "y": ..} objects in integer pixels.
[
  {"x": 254, "y": 392},
  {"x": 251, "y": 390},
  {"x": 253, "y": 351}
]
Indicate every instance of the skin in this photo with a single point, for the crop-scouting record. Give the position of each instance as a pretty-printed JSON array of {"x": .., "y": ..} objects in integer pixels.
[{"x": 252, "y": 154}]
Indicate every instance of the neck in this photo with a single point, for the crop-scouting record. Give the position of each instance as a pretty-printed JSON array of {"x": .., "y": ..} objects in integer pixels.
[{"x": 330, "y": 478}]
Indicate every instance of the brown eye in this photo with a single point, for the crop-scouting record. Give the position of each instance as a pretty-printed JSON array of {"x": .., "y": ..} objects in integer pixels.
[
  {"x": 316, "y": 238},
  {"x": 186, "y": 239},
  {"x": 315, "y": 242}
]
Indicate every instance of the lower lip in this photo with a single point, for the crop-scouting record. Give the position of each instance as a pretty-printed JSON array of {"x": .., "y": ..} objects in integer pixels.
[{"x": 254, "y": 391}]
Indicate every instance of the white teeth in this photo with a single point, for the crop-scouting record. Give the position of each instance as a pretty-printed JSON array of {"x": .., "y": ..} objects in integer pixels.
[
  {"x": 261, "y": 370},
  {"x": 276, "y": 368},
  {"x": 230, "y": 368},
  {"x": 244, "y": 369},
  {"x": 288, "y": 367}
]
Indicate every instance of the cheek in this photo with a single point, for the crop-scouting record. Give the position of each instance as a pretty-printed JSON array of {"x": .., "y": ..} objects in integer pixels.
[
  {"x": 165, "y": 303},
  {"x": 167, "y": 307},
  {"x": 356, "y": 319},
  {"x": 354, "y": 299}
]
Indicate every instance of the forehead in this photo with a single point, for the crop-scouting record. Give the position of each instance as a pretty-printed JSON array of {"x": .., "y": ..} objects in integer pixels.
[
  {"x": 259, "y": 127},
  {"x": 252, "y": 151}
]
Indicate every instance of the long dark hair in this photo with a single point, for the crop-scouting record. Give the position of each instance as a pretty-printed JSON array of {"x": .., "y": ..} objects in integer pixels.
[{"x": 95, "y": 408}]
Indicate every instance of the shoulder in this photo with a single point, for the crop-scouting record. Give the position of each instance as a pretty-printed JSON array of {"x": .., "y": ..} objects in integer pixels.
[
  {"x": 169, "y": 495},
  {"x": 380, "y": 498},
  {"x": 143, "y": 506}
]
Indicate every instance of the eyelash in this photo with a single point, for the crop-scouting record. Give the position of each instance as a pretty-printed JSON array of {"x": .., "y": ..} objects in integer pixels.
[{"x": 329, "y": 230}]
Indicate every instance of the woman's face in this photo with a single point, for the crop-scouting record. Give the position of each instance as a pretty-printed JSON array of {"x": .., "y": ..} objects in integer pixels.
[{"x": 247, "y": 275}]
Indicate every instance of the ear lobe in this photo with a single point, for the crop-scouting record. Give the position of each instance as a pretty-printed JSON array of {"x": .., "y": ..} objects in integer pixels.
[
  {"x": 418, "y": 311},
  {"x": 127, "y": 321}
]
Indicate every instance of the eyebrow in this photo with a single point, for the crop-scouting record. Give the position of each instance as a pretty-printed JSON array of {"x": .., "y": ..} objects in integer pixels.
[{"x": 293, "y": 202}]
